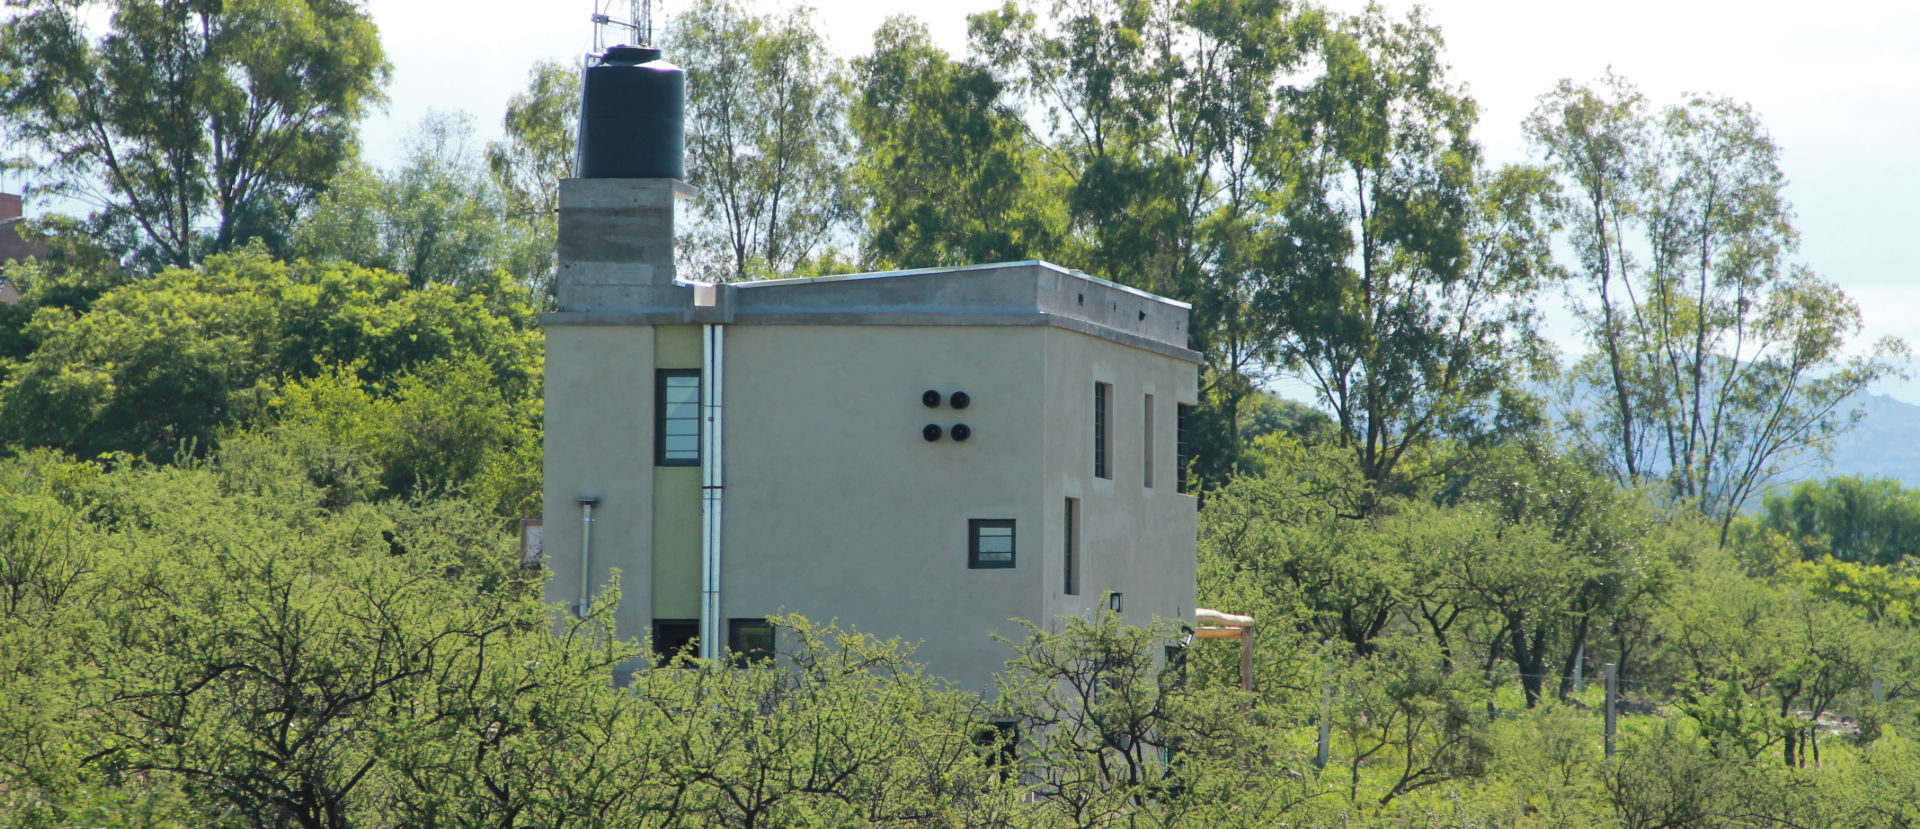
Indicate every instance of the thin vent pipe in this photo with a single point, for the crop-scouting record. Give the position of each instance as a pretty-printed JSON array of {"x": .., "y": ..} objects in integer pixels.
[{"x": 712, "y": 485}]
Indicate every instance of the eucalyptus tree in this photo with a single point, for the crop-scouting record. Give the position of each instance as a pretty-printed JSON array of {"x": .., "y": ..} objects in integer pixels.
[
  {"x": 1168, "y": 123},
  {"x": 946, "y": 171},
  {"x": 1419, "y": 314},
  {"x": 191, "y": 126},
  {"x": 541, "y": 127},
  {"x": 437, "y": 218},
  {"x": 1722, "y": 360},
  {"x": 767, "y": 142}
]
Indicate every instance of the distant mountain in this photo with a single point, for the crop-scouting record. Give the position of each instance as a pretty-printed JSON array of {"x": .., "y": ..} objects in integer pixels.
[{"x": 1884, "y": 444}]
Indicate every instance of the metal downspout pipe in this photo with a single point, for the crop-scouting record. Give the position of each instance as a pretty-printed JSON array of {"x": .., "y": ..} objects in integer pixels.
[
  {"x": 586, "y": 555},
  {"x": 712, "y": 487}
]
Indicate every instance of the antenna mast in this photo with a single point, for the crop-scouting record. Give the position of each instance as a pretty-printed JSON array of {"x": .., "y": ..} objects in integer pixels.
[{"x": 635, "y": 26}]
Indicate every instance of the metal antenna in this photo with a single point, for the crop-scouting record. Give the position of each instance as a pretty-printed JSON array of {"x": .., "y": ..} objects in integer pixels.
[{"x": 638, "y": 22}]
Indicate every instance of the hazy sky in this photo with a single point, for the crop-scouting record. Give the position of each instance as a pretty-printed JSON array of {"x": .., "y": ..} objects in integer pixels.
[{"x": 1838, "y": 84}]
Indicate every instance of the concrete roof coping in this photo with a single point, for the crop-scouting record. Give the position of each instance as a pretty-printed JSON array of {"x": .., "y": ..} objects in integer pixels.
[{"x": 1024, "y": 263}]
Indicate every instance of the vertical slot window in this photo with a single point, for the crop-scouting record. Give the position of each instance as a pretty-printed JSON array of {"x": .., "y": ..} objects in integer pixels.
[
  {"x": 1070, "y": 555},
  {"x": 676, "y": 417},
  {"x": 1146, "y": 442},
  {"x": 1183, "y": 451},
  {"x": 1102, "y": 395},
  {"x": 989, "y": 543}
]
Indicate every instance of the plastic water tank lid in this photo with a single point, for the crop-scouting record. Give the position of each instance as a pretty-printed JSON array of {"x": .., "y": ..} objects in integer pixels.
[{"x": 628, "y": 53}]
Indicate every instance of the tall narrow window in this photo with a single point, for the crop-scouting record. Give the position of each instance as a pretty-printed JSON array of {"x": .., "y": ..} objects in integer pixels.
[
  {"x": 1146, "y": 441},
  {"x": 1102, "y": 393},
  {"x": 1070, "y": 557},
  {"x": 676, "y": 417},
  {"x": 989, "y": 543},
  {"x": 1183, "y": 453}
]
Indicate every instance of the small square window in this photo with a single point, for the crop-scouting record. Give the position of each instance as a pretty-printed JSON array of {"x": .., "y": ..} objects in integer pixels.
[
  {"x": 989, "y": 543},
  {"x": 750, "y": 640},
  {"x": 673, "y": 637}
]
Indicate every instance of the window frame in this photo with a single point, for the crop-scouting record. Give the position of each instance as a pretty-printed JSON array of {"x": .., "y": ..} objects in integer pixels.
[
  {"x": 1103, "y": 430},
  {"x": 1071, "y": 554},
  {"x": 660, "y": 378},
  {"x": 736, "y": 630},
  {"x": 974, "y": 526},
  {"x": 1182, "y": 450},
  {"x": 1146, "y": 442},
  {"x": 689, "y": 645}
]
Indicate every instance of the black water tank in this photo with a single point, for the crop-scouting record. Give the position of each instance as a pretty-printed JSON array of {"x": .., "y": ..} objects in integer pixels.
[{"x": 632, "y": 125}]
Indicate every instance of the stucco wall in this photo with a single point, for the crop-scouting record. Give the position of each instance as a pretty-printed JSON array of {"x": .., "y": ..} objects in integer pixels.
[
  {"x": 838, "y": 508},
  {"x": 599, "y": 442},
  {"x": 1134, "y": 539}
]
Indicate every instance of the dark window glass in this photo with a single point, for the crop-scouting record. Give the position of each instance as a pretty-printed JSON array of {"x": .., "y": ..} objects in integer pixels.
[
  {"x": 1146, "y": 440},
  {"x": 750, "y": 639},
  {"x": 989, "y": 543},
  {"x": 1000, "y": 739},
  {"x": 1101, "y": 391},
  {"x": 676, "y": 417},
  {"x": 672, "y": 637},
  {"x": 1072, "y": 550},
  {"x": 1177, "y": 664},
  {"x": 1183, "y": 453}
]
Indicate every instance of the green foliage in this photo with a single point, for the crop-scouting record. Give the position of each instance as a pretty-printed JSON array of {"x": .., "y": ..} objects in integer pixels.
[
  {"x": 161, "y": 368},
  {"x": 1717, "y": 360},
  {"x": 949, "y": 173},
  {"x": 183, "y": 113},
  {"x": 1866, "y": 521},
  {"x": 437, "y": 219},
  {"x": 770, "y": 157}
]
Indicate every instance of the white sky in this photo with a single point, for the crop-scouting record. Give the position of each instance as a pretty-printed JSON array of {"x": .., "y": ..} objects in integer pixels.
[{"x": 1838, "y": 84}]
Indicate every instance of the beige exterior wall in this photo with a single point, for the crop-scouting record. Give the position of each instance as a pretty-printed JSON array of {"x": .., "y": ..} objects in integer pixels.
[
  {"x": 838, "y": 509},
  {"x": 1135, "y": 540},
  {"x": 599, "y": 442},
  {"x": 676, "y": 496}
]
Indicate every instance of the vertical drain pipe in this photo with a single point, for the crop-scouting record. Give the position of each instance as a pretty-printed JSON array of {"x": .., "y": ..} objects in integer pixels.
[
  {"x": 586, "y": 554},
  {"x": 712, "y": 487}
]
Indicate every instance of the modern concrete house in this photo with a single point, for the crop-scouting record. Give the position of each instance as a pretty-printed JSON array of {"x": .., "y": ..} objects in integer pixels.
[{"x": 926, "y": 454}]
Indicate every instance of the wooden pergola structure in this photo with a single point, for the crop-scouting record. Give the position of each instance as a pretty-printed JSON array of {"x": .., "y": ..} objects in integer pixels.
[{"x": 1215, "y": 624}]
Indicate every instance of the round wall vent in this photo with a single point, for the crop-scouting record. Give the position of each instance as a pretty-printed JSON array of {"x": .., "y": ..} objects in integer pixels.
[
  {"x": 962, "y": 431},
  {"x": 960, "y": 399},
  {"x": 931, "y": 398},
  {"x": 931, "y": 432}
]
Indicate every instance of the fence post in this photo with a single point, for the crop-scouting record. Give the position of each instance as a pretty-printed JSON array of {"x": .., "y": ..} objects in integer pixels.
[
  {"x": 1326, "y": 707},
  {"x": 1613, "y": 699}
]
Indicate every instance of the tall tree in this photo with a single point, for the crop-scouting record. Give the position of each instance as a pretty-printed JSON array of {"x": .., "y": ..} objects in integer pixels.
[
  {"x": 1595, "y": 141},
  {"x": 192, "y": 125},
  {"x": 1722, "y": 359},
  {"x": 541, "y": 126},
  {"x": 767, "y": 143},
  {"x": 946, "y": 170},
  {"x": 1170, "y": 124},
  {"x": 438, "y": 218},
  {"x": 1426, "y": 315}
]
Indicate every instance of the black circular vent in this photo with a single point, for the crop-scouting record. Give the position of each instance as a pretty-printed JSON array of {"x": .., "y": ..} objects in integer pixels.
[
  {"x": 960, "y": 399},
  {"x": 931, "y": 432},
  {"x": 931, "y": 398},
  {"x": 962, "y": 431}
]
